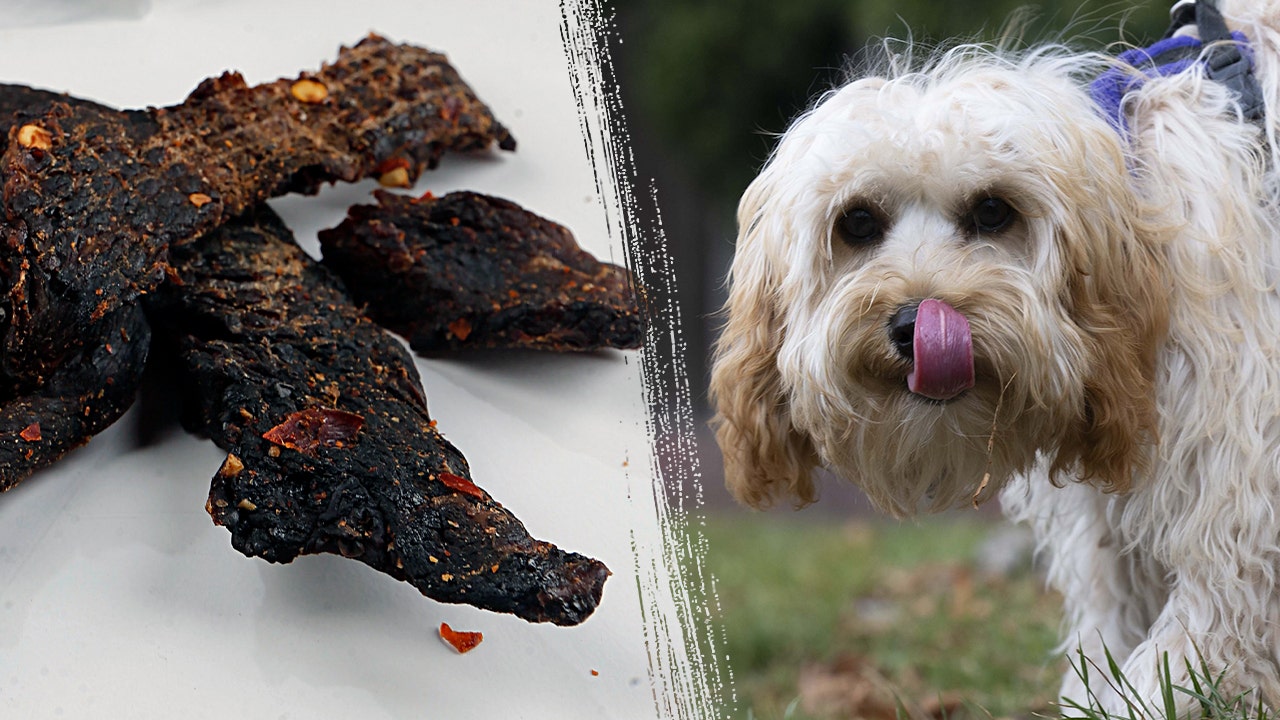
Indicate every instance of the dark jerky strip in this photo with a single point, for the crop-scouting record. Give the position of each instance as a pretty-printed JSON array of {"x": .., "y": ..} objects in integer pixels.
[
  {"x": 266, "y": 334},
  {"x": 468, "y": 270},
  {"x": 92, "y": 207},
  {"x": 87, "y": 393},
  {"x": 24, "y": 99},
  {"x": 90, "y": 390}
]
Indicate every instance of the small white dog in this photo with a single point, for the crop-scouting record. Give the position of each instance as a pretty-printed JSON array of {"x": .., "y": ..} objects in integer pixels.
[{"x": 968, "y": 277}]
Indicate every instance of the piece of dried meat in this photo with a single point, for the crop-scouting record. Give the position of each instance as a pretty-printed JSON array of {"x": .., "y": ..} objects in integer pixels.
[
  {"x": 331, "y": 448},
  {"x": 472, "y": 271},
  {"x": 93, "y": 198},
  {"x": 84, "y": 238},
  {"x": 87, "y": 393},
  {"x": 30, "y": 101},
  {"x": 89, "y": 390}
]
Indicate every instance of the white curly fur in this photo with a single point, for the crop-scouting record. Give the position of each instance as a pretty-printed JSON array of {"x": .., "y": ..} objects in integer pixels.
[{"x": 1126, "y": 334}]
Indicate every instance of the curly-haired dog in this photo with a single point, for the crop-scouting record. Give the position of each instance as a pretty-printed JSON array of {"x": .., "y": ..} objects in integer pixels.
[{"x": 972, "y": 277}]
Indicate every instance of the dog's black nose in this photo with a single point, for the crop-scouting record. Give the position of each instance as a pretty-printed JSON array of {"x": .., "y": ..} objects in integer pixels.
[{"x": 902, "y": 330}]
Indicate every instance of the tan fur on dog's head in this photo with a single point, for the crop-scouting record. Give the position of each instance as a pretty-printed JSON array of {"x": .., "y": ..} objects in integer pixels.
[
  {"x": 764, "y": 455},
  {"x": 1066, "y": 302}
]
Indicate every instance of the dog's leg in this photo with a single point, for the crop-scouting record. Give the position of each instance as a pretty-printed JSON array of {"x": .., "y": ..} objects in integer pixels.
[
  {"x": 1110, "y": 597},
  {"x": 1208, "y": 624}
]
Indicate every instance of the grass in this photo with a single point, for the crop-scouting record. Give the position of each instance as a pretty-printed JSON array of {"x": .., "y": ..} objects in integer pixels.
[
  {"x": 878, "y": 620},
  {"x": 1201, "y": 697},
  {"x": 832, "y": 619}
]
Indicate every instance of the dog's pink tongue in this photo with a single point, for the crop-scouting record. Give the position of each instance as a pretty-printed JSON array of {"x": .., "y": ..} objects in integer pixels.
[{"x": 943, "y": 350}]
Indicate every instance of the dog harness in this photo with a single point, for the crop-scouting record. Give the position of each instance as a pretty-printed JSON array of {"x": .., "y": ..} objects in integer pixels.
[{"x": 1197, "y": 35}]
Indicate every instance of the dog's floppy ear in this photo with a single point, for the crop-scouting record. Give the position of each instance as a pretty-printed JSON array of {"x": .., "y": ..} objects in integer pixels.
[
  {"x": 765, "y": 457},
  {"x": 1115, "y": 296}
]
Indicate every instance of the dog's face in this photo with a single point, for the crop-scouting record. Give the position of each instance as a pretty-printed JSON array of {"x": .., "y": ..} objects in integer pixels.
[{"x": 940, "y": 278}]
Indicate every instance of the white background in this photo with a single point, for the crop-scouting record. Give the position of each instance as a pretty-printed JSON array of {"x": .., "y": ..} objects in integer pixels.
[{"x": 118, "y": 596}]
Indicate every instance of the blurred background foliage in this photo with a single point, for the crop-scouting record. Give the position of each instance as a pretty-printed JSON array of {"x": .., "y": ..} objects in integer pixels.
[{"x": 713, "y": 80}]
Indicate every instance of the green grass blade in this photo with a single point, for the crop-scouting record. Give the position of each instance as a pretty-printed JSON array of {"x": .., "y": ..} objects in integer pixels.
[{"x": 1166, "y": 689}]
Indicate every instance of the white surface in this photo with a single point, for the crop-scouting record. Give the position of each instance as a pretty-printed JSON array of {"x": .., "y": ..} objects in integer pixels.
[{"x": 119, "y": 598}]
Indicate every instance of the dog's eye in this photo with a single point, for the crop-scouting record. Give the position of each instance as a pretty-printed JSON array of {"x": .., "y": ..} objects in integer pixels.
[
  {"x": 991, "y": 215},
  {"x": 859, "y": 226}
]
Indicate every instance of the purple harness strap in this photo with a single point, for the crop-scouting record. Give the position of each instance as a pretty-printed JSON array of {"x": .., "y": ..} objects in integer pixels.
[
  {"x": 1169, "y": 56},
  {"x": 1225, "y": 56}
]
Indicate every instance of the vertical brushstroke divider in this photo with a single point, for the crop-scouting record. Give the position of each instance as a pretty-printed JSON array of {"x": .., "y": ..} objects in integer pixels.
[{"x": 677, "y": 596}]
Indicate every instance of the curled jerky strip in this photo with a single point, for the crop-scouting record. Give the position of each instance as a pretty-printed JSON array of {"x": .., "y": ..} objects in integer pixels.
[
  {"x": 331, "y": 447},
  {"x": 93, "y": 198},
  {"x": 473, "y": 271},
  {"x": 94, "y": 385}
]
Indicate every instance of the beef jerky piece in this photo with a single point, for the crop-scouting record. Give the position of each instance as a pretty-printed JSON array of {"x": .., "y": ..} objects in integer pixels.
[
  {"x": 472, "y": 271},
  {"x": 331, "y": 448},
  {"x": 86, "y": 394},
  {"x": 29, "y": 100},
  {"x": 89, "y": 391},
  {"x": 14, "y": 98},
  {"x": 93, "y": 198}
]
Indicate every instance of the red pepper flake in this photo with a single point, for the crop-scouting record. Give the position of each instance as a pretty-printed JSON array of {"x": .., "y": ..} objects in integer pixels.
[
  {"x": 398, "y": 178},
  {"x": 460, "y": 328},
  {"x": 393, "y": 172},
  {"x": 231, "y": 467},
  {"x": 31, "y": 433},
  {"x": 171, "y": 276},
  {"x": 595, "y": 673},
  {"x": 450, "y": 109},
  {"x": 34, "y": 137},
  {"x": 309, "y": 429},
  {"x": 199, "y": 199},
  {"x": 392, "y": 163},
  {"x": 309, "y": 91},
  {"x": 461, "y": 641},
  {"x": 427, "y": 196},
  {"x": 461, "y": 484}
]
